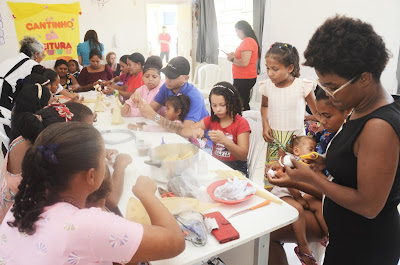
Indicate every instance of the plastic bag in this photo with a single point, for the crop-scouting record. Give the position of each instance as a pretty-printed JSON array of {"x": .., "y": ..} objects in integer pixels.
[
  {"x": 192, "y": 224},
  {"x": 187, "y": 185}
]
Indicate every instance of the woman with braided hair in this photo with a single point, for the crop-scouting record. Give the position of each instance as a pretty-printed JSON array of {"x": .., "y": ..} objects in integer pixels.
[
  {"x": 229, "y": 131},
  {"x": 60, "y": 170}
]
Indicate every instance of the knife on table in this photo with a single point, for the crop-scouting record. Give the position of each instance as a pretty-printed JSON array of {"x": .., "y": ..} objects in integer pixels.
[{"x": 251, "y": 208}]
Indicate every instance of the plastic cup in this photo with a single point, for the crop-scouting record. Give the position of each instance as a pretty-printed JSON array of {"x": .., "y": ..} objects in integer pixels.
[{"x": 143, "y": 148}]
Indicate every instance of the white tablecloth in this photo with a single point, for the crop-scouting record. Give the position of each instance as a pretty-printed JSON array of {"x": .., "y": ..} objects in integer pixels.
[{"x": 251, "y": 225}]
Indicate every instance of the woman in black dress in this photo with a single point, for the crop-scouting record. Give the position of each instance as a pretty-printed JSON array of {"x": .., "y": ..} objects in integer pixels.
[{"x": 360, "y": 206}]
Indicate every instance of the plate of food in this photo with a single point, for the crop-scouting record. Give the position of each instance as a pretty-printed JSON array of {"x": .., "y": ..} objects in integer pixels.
[{"x": 213, "y": 186}]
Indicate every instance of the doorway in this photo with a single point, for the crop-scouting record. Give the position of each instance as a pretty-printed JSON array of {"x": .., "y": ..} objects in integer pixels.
[{"x": 176, "y": 17}]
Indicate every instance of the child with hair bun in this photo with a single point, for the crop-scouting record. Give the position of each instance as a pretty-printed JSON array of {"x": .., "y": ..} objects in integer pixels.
[{"x": 284, "y": 98}]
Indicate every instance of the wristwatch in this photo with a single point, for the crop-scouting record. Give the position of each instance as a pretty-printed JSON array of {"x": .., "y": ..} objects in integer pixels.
[
  {"x": 157, "y": 118},
  {"x": 232, "y": 59}
]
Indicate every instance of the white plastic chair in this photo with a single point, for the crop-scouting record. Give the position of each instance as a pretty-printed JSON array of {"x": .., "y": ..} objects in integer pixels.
[
  {"x": 196, "y": 73},
  {"x": 254, "y": 119},
  {"x": 6, "y": 121},
  {"x": 208, "y": 76}
]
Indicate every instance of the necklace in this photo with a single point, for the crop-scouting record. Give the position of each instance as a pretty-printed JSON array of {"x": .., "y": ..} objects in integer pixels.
[{"x": 70, "y": 202}]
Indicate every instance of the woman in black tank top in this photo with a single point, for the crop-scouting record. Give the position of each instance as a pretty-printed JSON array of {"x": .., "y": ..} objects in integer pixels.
[{"x": 360, "y": 207}]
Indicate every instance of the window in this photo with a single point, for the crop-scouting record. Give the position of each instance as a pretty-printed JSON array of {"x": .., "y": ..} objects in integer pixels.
[{"x": 228, "y": 13}]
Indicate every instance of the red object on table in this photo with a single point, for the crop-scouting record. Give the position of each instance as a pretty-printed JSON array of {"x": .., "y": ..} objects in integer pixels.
[
  {"x": 226, "y": 232},
  {"x": 213, "y": 186}
]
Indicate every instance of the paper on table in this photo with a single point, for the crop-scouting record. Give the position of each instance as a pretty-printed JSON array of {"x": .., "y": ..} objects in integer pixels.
[
  {"x": 224, "y": 174},
  {"x": 135, "y": 210}
]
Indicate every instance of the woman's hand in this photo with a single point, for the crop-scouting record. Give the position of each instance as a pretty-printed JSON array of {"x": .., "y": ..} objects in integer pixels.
[
  {"x": 108, "y": 91},
  {"x": 316, "y": 163},
  {"x": 267, "y": 134},
  {"x": 230, "y": 56},
  {"x": 217, "y": 136},
  {"x": 144, "y": 186},
  {"x": 280, "y": 179},
  {"x": 300, "y": 172},
  {"x": 198, "y": 133}
]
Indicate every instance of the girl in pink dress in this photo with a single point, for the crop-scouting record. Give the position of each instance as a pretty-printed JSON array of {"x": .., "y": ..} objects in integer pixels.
[{"x": 49, "y": 222}]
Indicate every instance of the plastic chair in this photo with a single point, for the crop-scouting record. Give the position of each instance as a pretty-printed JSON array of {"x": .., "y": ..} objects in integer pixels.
[
  {"x": 6, "y": 121},
  {"x": 254, "y": 119},
  {"x": 3, "y": 135},
  {"x": 208, "y": 76},
  {"x": 196, "y": 73}
]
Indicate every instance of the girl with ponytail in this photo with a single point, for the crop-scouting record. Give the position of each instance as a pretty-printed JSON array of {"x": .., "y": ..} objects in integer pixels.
[
  {"x": 60, "y": 170},
  {"x": 30, "y": 125}
]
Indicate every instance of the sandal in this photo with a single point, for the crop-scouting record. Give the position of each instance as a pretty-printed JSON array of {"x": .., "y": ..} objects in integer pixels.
[{"x": 303, "y": 255}]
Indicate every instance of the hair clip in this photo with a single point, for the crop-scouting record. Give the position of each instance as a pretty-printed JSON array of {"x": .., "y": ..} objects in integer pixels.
[
  {"x": 40, "y": 91},
  {"x": 62, "y": 110},
  {"x": 48, "y": 152},
  {"x": 285, "y": 44},
  {"x": 45, "y": 83},
  {"x": 38, "y": 117},
  {"x": 280, "y": 47}
]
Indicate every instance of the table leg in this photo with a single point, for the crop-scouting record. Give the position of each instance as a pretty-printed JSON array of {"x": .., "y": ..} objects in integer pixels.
[{"x": 261, "y": 250}]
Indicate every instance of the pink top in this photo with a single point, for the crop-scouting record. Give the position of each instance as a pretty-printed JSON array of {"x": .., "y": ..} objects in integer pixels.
[
  {"x": 68, "y": 235},
  {"x": 8, "y": 183},
  {"x": 148, "y": 96}
]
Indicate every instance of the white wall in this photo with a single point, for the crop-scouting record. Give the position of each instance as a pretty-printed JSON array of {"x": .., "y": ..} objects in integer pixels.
[
  {"x": 295, "y": 21},
  {"x": 120, "y": 25}
]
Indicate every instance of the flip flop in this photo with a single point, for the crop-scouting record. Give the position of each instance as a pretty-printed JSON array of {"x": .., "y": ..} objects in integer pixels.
[{"x": 303, "y": 255}]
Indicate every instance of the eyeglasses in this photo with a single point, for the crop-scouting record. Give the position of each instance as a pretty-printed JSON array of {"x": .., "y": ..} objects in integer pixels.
[
  {"x": 43, "y": 55},
  {"x": 332, "y": 92}
]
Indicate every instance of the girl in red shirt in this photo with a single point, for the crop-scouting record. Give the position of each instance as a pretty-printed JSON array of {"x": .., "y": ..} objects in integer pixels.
[{"x": 229, "y": 131}]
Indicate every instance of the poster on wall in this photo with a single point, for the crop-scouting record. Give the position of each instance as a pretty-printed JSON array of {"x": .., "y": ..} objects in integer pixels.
[{"x": 55, "y": 25}]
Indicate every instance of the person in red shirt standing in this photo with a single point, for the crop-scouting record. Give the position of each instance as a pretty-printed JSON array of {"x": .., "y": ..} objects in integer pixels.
[
  {"x": 244, "y": 61},
  {"x": 164, "y": 39}
]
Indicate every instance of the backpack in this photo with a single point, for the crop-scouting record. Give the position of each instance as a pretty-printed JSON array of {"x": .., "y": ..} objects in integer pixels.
[{"x": 7, "y": 96}]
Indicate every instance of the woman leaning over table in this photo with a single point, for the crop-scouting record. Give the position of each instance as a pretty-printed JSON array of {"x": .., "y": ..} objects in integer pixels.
[
  {"x": 360, "y": 207},
  {"x": 244, "y": 61},
  {"x": 49, "y": 224},
  {"x": 91, "y": 74}
]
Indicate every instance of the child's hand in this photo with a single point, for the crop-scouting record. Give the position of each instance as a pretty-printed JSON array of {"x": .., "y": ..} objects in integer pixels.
[
  {"x": 267, "y": 134},
  {"x": 144, "y": 186},
  {"x": 198, "y": 133},
  {"x": 136, "y": 97},
  {"x": 122, "y": 161},
  {"x": 217, "y": 137},
  {"x": 126, "y": 110},
  {"x": 110, "y": 152},
  {"x": 146, "y": 110}
]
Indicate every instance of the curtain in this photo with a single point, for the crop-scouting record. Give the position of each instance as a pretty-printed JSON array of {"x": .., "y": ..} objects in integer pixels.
[
  {"x": 258, "y": 24},
  {"x": 207, "y": 39}
]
